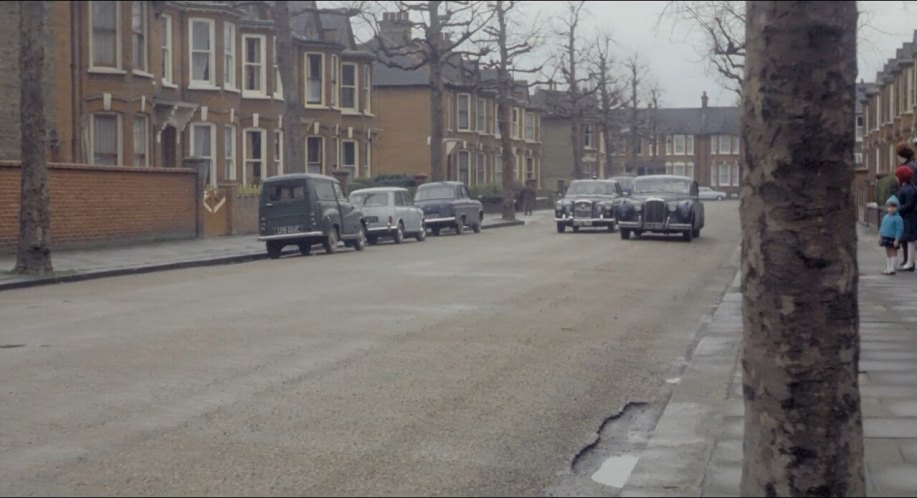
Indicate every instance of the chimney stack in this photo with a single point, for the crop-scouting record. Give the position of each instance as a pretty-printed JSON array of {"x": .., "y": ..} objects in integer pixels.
[
  {"x": 396, "y": 27},
  {"x": 703, "y": 100}
]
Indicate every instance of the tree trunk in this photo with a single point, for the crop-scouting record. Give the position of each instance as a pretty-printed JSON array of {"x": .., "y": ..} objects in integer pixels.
[
  {"x": 33, "y": 256},
  {"x": 437, "y": 133},
  {"x": 576, "y": 140},
  {"x": 292, "y": 128},
  {"x": 504, "y": 113},
  {"x": 803, "y": 427},
  {"x": 609, "y": 152}
]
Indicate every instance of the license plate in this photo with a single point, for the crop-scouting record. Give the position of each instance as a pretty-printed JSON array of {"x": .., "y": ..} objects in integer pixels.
[
  {"x": 582, "y": 223},
  {"x": 288, "y": 230},
  {"x": 372, "y": 219}
]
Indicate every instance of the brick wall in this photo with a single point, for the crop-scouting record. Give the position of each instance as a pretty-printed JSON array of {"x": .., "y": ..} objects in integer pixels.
[{"x": 93, "y": 206}]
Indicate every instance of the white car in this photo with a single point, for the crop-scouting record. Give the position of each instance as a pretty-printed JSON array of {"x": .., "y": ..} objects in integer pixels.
[
  {"x": 708, "y": 194},
  {"x": 389, "y": 212}
]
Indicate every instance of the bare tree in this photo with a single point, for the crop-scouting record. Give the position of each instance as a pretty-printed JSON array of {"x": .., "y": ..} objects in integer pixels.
[
  {"x": 292, "y": 128},
  {"x": 572, "y": 61},
  {"x": 722, "y": 23},
  {"x": 635, "y": 73},
  {"x": 33, "y": 255},
  {"x": 510, "y": 45},
  {"x": 803, "y": 426},
  {"x": 653, "y": 101},
  {"x": 610, "y": 99},
  {"x": 446, "y": 28}
]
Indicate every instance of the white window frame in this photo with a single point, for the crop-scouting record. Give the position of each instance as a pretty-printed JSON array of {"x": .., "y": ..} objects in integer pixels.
[
  {"x": 335, "y": 81},
  {"x": 678, "y": 145},
  {"x": 145, "y": 12},
  {"x": 355, "y": 87},
  {"x": 367, "y": 90},
  {"x": 689, "y": 145},
  {"x": 480, "y": 116},
  {"x": 245, "y": 151},
  {"x": 229, "y": 57},
  {"x": 321, "y": 153},
  {"x": 321, "y": 81},
  {"x": 166, "y": 52},
  {"x": 210, "y": 83},
  {"x": 229, "y": 152},
  {"x": 728, "y": 169},
  {"x": 92, "y": 63},
  {"x": 356, "y": 157},
  {"x": 714, "y": 139},
  {"x": 278, "y": 152},
  {"x": 463, "y": 108},
  {"x": 529, "y": 120},
  {"x": 118, "y": 139},
  {"x": 262, "y": 66},
  {"x": 714, "y": 175},
  {"x": 458, "y": 166},
  {"x": 213, "y": 145},
  {"x": 480, "y": 169},
  {"x": 588, "y": 142},
  {"x": 146, "y": 139},
  {"x": 668, "y": 144},
  {"x": 725, "y": 150},
  {"x": 678, "y": 168},
  {"x": 736, "y": 171},
  {"x": 278, "y": 82},
  {"x": 735, "y": 144},
  {"x": 368, "y": 159},
  {"x": 689, "y": 169},
  {"x": 514, "y": 124}
]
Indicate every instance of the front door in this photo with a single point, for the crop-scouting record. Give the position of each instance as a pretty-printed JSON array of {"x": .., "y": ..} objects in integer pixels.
[{"x": 168, "y": 139}]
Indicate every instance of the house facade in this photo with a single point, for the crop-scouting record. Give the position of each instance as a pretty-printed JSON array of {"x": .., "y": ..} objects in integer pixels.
[
  {"x": 149, "y": 84},
  {"x": 472, "y": 138},
  {"x": 557, "y": 163},
  {"x": 889, "y": 111}
]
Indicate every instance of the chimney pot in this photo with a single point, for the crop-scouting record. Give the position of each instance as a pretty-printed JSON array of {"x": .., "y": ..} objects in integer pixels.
[{"x": 703, "y": 100}]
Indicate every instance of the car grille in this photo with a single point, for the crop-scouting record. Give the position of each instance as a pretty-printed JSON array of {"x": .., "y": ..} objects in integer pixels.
[
  {"x": 654, "y": 211},
  {"x": 582, "y": 211}
]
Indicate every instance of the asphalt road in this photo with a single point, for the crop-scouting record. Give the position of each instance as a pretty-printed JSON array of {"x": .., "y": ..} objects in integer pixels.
[{"x": 474, "y": 364}]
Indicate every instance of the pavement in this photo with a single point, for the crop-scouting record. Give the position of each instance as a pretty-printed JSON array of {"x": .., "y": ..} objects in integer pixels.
[
  {"x": 696, "y": 446},
  {"x": 499, "y": 363},
  {"x": 77, "y": 265}
]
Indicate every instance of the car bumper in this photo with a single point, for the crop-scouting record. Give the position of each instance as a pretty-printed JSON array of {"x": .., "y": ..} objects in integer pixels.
[
  {"x": 385, "y": 229},
  {"x": 437, "y": 221},
  {"x": 287, "y": 236},
  {"x": 569, "y": 221},
  {"x": 656, "y": 227}
]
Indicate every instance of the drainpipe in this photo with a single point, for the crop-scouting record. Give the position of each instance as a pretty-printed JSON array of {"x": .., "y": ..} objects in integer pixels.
[{"x": 76, "y": 110}]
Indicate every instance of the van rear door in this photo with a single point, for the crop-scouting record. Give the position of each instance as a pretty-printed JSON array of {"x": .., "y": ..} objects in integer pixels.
[{"x": 285, "y": 208}]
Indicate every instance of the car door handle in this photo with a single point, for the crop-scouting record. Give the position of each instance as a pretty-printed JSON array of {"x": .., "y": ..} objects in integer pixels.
[{"x": 268, "y": 204}]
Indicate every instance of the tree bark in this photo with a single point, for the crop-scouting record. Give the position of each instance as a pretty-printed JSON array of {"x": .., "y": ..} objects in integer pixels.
[
  {"x": 803, "y": 427},
  {"x": 437, "y": 133},
  {"x": 504, "y": 113},
  {"x": 33, "y": 256},
  {"x": 292, "y": 128}
]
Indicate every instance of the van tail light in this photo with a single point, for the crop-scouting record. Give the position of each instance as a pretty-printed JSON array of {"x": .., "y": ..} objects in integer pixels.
[{"x": 390, "y": 220}]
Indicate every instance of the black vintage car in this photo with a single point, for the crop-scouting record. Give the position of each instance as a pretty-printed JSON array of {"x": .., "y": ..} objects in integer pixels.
[
  {"x": 588, "y": 203},
  {"x": 307, "y": 209},
  {"x": 662, "y": 204},
  {"x": 449, "y": 205}
]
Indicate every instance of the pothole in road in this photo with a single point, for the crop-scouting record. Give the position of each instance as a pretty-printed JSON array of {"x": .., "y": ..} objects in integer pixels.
[{"x": 11, "y": 346}]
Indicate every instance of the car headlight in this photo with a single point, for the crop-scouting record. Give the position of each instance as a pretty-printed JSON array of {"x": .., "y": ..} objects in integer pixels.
[
  {"x": 638, "y": 207},
  {"x": 673, "y": 206},
  {"x": 559, "y": 206}
]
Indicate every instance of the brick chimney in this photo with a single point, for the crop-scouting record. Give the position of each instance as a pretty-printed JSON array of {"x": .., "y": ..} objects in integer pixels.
[
  {"x": 703, "y": 100},
  {"x": 396, "y": 27}
]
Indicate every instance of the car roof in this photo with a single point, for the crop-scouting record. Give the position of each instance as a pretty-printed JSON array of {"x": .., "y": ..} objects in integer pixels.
[
  {"x": 672, "y": 177},
  {"x": 298, "y": 176},
  {"x": 451, "y": 183},
  {"x": 380, "y": 189},
  {"x": 605, "y": 180}
]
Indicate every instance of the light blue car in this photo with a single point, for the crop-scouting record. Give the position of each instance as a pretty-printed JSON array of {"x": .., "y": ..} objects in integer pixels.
[{"x": 389, "y": 212}]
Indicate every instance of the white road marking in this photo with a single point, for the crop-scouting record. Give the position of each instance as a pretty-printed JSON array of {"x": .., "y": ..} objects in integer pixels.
[{"x": 615, "y": 471}]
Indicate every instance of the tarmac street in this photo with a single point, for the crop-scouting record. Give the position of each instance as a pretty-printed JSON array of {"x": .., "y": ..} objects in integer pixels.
[{"x": 476, "y": 364}]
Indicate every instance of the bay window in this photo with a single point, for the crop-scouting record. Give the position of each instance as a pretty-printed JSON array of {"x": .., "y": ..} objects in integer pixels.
[
  {"x": 679, "y": 141},
  {"x": 481, "y": 115},
  {"x": 725, "y": 144},
  {"x": 464, "y": 111},
  {"x": 253, "y": 146},
  {"x": 315, "y": 89},
  {"x": 253, "y": 70},
  {"x": 229, "y": 152},
  {"x": 315, "y": 152},
  {"x": 278, "y": 81},
  {"x": 229, "y": 56},
  {"x": 349, "y": 86},
  {"x": 106, "y": 40},
  {"x": 201, "y": 52},
  {"x": 724, "y": 174},
  {"x": 106, "y": 139},
  {"x": 202, "y": 141},
  {"x": 166, "y": 21},
  {"x": 141, "y": 142},
  {"x": 529, "y": 126},
  {"x": 463, "y": 167},
  {"x": 349, "y": 157},
  {"x": 139, "y": 36}
]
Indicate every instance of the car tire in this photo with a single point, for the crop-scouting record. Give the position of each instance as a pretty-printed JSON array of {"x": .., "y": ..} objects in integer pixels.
[
  {"x": 460, "y": 226},
  {"x": 372, "y": 240},
  {"x": 687, "y": 235},
  {"x": 625, "y": 234},
  {"x": 638, "y": 233},
  {"x": 360, "y": 242},
  {"x": 697, "y": 233},
  {"x": 436, "y": 231},
  {"x": 721, "y": 198},
  {"x": 611, "y": 227},
  {"x": 422, "y": 234},
  {"x": 331, "y": 241},
  {"x": 398, "y": 236},
  {"x": 561, "y": 228},
  {"x": 476, "y": 227},
  {"x": 273, "y": 250},
  {"x": 575, "y": 229},
  {"x": 305, "y": 248}
]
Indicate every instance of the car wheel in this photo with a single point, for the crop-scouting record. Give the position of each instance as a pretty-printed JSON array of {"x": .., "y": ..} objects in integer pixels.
[
  {"x": 460, "y": 226},
  {"x": 687, "y": 235},
  {"x": 273, "y": 250},
  {"x": 476, "y": 227},
  {"x": 575, "y": 229},
  {"x": 611, "y": 227},
  {"x": 422, "y": 234},
  {"x": 625, "y": 234},
  {"x": 696, "y": 233},
  {"x": 638, "y": 233},
  {"x": 331, "y": 241},
  {"x": 399, "y": 234},
  {"x": 561, "y": 228},
  {"x": 720, "y": 198},
  {"x": 360, "y": 241},
  {"x": 436, "y": 231},
  {"x": 372, "y": 239},
  {"x": 305, "y": 248}
]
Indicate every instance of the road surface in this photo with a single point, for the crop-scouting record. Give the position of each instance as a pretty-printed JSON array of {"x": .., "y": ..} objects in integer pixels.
[{"x": 474, "y": 364}]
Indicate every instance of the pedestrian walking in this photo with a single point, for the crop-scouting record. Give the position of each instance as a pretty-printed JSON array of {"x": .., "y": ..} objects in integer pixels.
[
  {"x": 528, "y": 197},
  {"x": 907, "y": 208},
  {"x": 890, "y": 234}
]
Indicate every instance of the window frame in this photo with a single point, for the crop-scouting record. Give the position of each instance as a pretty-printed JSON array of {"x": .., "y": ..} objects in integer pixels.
[
  {"x": 356, "y": 157},
  {"x": 480, "y": 169},
  {"x": 467, "y": 166},
  {"x": 145, "y": 13},
  {"x": 367, "y": 89},
  {"x": 689, "y": 145},
  {"x": 229, "y": 160},
  {"x": 278, "y": 151},
  {"x": 514, "y": 123},
  {"x": 168, "y": 71},
  {"x": 355, "y": 87},
  {"x": 728, "y": 149},
  {"x": 245, "y": 153},
  {"x": 146, "y": 140},
  {"x": 463, "y": 109},
  {"x": 735, "y": 144},
  {"x": 119, "y": 138},
  {"x": 335, "y": 68},
  {"x": 676, "y": 150},
  {"x": 321, "y": 153},
  {"x": 529, "y": 119},
  {"x": 480, "y": 116},
  {"x": 229, "y": 57},
  {"x": 210, "y": 83},
  {"x": 588, "y": 138},
  {"x": 213, "y": 145},
  {"x": 321, "y": 79},
  {"x": 724, "y": 166},
  {"x": 736, "y": 171},
  {"x": 278, "y": 81},
  {"x": 93, "y": 66},
  {"x": 262, "y": 66}
]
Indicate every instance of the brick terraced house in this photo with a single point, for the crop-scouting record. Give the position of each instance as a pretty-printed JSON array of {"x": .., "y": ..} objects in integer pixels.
[
  {"x": 472, "y": 136},
  {"x": 141, "y": 83}
]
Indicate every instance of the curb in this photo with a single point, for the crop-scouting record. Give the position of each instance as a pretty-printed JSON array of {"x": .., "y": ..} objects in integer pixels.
[{"x": 177, "y": 265}]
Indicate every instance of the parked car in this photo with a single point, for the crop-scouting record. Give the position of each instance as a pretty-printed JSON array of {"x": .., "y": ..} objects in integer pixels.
[
  {"x": 662, "y": 204},
  {"x": 389, "y": 212},
  {"x": 588, "y": 203},
  {"x": 449, "y": 205},
  {"x": 708, "y": 194},
  {"x": 626, "y": 182},
  {"x": 307, "y": 209}
]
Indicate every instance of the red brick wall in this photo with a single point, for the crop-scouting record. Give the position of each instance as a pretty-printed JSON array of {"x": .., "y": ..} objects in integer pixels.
[{"x": 93, "y": 205}]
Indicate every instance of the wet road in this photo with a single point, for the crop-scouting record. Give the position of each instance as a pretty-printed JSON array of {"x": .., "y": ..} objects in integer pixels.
[{"x": 474, "y": 364}]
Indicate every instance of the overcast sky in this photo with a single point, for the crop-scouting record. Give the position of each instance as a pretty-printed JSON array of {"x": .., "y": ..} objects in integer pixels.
[{"x": 673, "y": 56}]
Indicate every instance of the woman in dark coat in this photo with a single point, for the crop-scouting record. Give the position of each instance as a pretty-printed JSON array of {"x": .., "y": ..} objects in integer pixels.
[{"x": 907, "y": 197}]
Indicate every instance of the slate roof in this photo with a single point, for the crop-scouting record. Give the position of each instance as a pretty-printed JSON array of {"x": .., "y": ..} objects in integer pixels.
[{"x": 904, "y": 55}]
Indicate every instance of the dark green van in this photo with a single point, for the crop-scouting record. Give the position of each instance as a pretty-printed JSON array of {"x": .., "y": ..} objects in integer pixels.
[{"x": 307, "y": 209}]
